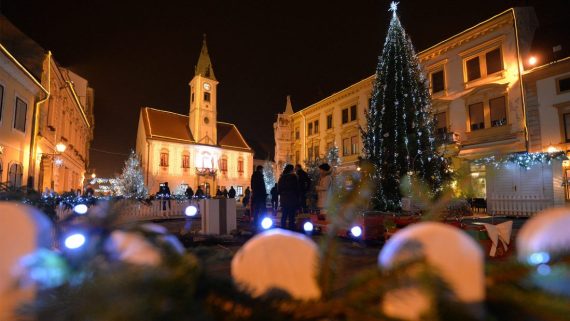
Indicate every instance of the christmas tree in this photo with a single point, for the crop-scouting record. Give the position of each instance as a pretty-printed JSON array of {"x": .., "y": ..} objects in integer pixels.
[
  {"x": 268, "y": 175},
  {"x": 333, "y": 156},
  {"x": 131, "y": 182},
  {"x": 399, "y": 137}
]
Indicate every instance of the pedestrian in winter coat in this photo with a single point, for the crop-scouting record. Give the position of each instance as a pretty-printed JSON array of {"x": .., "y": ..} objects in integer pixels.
[
  {"x": 199, "y": 192},
  {"x": 232, "y": 192},
  {"x": 218, "y": 192},
  {"x": 304, "y": 186},
  {"x": 288, "y": 187},
  {"x": 274, "y": 198},
  {"x": 246, "y": 197},
  {"x": 225, "y": 193},
  {"x": 259, "y": 194},
  {"x": 324, "y": 187},
  {"x": 189, "y": 192}
]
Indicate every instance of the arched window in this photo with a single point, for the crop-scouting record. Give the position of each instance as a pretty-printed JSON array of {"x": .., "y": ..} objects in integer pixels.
[
  {"x": 164, "y": 158},
  {"x": 240, "y": 166},
  {"x": 15, "y": 173},
  {"x": 185, "y": 160},
  {"x": 224, "y": 164}
]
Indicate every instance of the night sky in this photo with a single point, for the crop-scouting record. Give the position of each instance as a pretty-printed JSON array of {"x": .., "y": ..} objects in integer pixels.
[{"x": 142, "y": 53}]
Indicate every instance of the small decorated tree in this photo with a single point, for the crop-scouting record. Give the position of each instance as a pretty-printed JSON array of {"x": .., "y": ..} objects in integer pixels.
[
  {"x": 131, "y": 182},
  {"x": 333, "y": 157},
  {"x": 268, "y": 175}
]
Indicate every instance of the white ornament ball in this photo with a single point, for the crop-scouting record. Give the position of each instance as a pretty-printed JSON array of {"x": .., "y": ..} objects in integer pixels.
[
  {"x": 133, "y": 248},
  {"x": 278, "y": 259},
  {"x": 547, "y": 231},
  {"x": 24, "y": 230},
  {"x": 542, "y": 236},
  {"x": 453, "y": 253}
]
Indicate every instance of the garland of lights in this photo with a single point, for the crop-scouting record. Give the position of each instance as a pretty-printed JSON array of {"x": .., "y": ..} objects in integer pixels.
[{"x": 524, "y": 160}]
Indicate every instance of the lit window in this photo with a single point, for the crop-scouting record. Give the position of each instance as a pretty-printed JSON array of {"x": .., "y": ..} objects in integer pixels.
[
  {"x": 354, "y": 145},
  {"x": 473, "y": 70},
  {"x": 494, "y": 61},
  {"x": 352, "y": 113},
  {"x": 345, "y": 116},
  {"x": 20, "y": 115},
  {"x": 441, "y": 123},
  {"x": 437, "y": 81},
  {"x": 224, "y": 165},
  {"x": 346, "y": 147},
  {"x": 240, "y": 166},
  {"x": 329, "y": 121},
  {"x": 563, "y": 85},
  {"x": 476, "y": 116},
  {"x": 498, "y": 111},
  {"x": 239, "y": 190},
  {"x": 1, "y": 104},
  {"x": 186, "y": 161},
  {"x": 206, "y": 96},
  {"x": 567, "y": 127},
  {"x": 164, "y": 159}
]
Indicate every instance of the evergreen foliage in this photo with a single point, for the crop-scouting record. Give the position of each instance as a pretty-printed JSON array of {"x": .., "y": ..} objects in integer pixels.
[
  {"x": 399, "y": 137},
  {"x": 268, "y": 175},
  {"x": 333, "y": 156},
  {"x": 131, "y": 183}
]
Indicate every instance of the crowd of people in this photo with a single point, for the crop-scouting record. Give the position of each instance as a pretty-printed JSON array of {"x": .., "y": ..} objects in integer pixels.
[{"x": 291, "y": 192}]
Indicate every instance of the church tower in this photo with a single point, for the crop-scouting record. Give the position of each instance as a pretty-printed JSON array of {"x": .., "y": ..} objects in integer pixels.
[{"x": 203, "y": 100}]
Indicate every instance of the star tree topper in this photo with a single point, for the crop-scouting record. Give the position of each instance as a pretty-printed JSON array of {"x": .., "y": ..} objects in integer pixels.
[{"x": 394, "y": 7}]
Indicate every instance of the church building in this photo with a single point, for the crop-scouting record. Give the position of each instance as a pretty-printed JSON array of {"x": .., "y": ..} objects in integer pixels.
[{"x": 194, "y": 149}]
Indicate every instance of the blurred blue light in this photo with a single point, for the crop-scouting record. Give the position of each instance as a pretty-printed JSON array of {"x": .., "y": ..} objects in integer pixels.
[
  {"x": 191, "y": 210},
  {"x": 308, "y": 227},
  {"x": 80, "y": 209},
  {"x": 266, "y": 223},
  {"x": 74, "y": 241},
  {"x": 356, "y": 231}
]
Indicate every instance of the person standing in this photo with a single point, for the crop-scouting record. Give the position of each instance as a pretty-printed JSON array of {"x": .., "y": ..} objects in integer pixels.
[
  {"x": 232, "y": 192},
  {"x": 189, "y": 192},
  {"x": 199, "y": 192},
  {"x": 304, "y": 187},
  {"x": 218, "y": 192},
  {"x": 246, "y": 197},
  {"x": 288, "y": 187},
  {"x": 165, "y": 194},
  {"x": 324, "y": 187},
  {"x": 274, "y": 198},
  {"x": 259, "y": 194},
  {"x": 225, "y": 193}
]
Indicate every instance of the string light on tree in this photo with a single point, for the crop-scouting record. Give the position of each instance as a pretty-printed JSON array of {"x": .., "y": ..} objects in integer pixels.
[{"x": 131, "y": 183}]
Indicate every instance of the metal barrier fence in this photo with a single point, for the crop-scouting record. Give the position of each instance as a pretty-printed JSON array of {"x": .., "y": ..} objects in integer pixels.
[
  {"x": 520, "y": 205},
  {"x": 139, "y": 211}
]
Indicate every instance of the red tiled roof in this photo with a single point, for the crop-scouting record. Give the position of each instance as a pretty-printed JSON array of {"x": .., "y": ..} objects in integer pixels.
[{"x": 165, "y": 125}]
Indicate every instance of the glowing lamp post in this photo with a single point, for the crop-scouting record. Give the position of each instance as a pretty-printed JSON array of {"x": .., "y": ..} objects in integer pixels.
[{"x": 532, "y": 60}]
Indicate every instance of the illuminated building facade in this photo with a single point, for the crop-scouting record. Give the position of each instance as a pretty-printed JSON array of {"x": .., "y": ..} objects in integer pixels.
[
  {"x": 19, "y": 94},
  {"x": 55, "y": 128},
  {"x": 480, "y": 106},
  {"x": 194, "y": 149}
]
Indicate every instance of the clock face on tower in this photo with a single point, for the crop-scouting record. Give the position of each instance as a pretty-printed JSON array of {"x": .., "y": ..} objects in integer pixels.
[{"x": 207, "y": 86}]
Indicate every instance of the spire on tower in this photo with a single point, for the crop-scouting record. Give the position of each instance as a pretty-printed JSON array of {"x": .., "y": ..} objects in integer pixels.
[
  {"x": 288, "y": 107},
  {"x": 204, "y": 67}
]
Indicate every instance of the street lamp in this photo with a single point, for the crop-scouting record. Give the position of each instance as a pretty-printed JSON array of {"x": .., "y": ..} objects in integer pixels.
[{"x": 60, "y": 147}]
